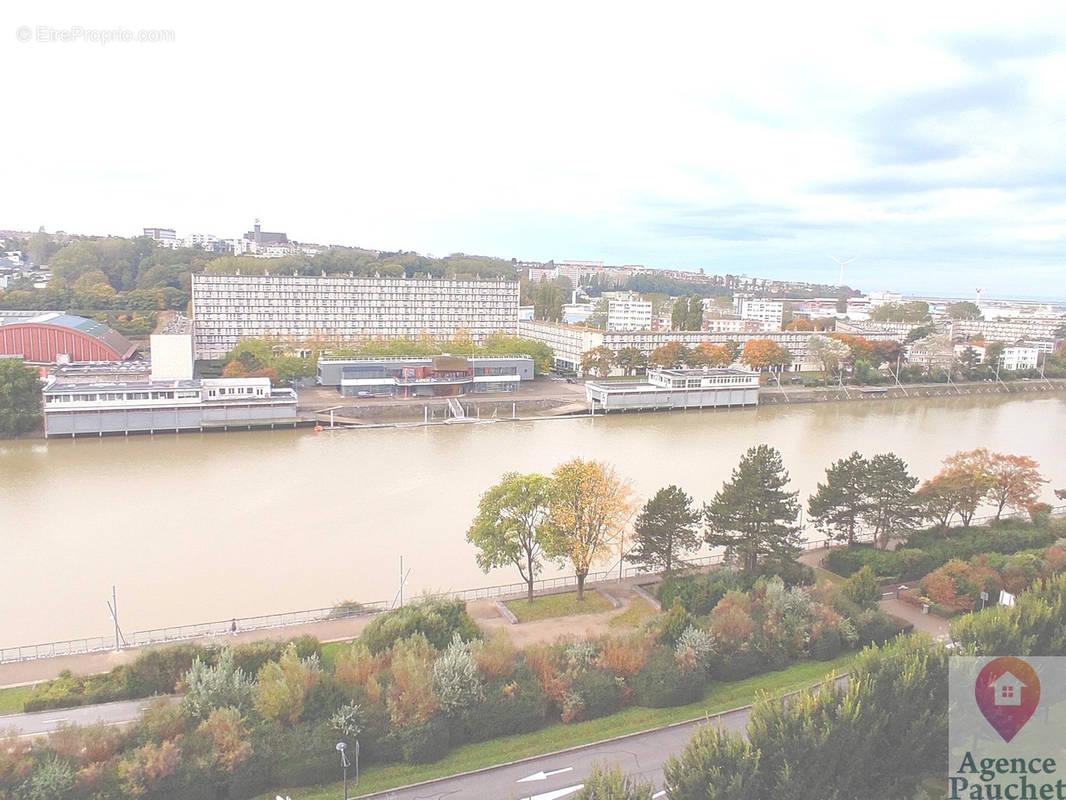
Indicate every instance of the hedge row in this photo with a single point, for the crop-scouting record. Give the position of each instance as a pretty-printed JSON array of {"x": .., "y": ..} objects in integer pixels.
[{"x": 927, "y": 550}]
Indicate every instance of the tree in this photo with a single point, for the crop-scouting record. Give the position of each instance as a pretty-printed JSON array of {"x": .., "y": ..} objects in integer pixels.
[
  {"x": 1016, "y": 482},
  {"x": 892, "y": 506},
  {"x": 936, "y": 501},
  {"x": 916, "y": 311},
  {"x": 752, "y": 515},
  {"x": 608, "y": 783},
  {"x": 830, "y": 353},
  {"x": 282, "y": 685},
  {"x": 218, "y": 686},
  {"x": 710, "y": 355},
  {"x": 597, "y": 360},
  {"x": 548, "y": 299},
  {"x": 509, "y": 526},
  {"x": 967, "y": 476},
  {"x": 666, "y": 529},
  {"x": 760, "y": 354},
  {"x": 964, "y": 310},
  {"x": 670, "y": 356},
  {"x": 838, "y": 506},
  {"x": 589, "y": 507},
  {"x": 862, "y": 588},
  {"x": 630, "y": 359},
  {"x": 20, "y": 398},
  {"x": 877, "y": 738}
]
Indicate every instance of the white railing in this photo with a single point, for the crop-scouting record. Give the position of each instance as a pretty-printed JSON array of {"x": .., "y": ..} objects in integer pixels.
[{"x": 293, "y": 618}]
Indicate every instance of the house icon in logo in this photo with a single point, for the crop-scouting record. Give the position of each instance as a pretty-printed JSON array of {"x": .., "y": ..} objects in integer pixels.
[{"x": 1007, "y": 690}]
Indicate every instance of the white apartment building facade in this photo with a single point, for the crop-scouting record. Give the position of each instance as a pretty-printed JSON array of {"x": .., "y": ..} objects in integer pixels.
[
  {"x": 768, "y": 313},
  {"x": 340, "y": 309},
  {"x": 1014, "y": 358},
  {"x": 568, "y": 342},
  {"x": 629, "y": 315}
]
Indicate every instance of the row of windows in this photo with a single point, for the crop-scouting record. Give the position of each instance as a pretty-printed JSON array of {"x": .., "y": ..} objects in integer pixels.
[{"x": 107, "y": 397}]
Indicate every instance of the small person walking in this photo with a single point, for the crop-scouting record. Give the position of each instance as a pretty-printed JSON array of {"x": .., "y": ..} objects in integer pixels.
[{"x": 233, "y": 627}]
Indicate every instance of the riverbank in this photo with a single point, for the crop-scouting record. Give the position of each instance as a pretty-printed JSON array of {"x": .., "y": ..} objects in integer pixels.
[{"x": 546, "y": 399}]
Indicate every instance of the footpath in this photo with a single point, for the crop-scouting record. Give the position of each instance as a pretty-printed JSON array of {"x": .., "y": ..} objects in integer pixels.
[
  {"x": 20, "y": 673},
  {"x": 484, "y": 612},
  {"x": 931, "y": 624}
]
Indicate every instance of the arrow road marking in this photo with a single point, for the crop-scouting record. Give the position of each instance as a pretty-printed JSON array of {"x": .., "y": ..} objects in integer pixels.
[
  {"x": 557, "y": 793},
  {"x": 542, "y": 775}
]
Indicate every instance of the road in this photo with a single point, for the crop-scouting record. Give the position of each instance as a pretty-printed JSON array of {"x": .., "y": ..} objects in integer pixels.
[
  {"x": 559, "y": 775},
  {"x": 41, "y": 722}
]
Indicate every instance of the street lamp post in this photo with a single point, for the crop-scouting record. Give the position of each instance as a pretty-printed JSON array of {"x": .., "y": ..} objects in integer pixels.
[{"x": 344, "y": 765}]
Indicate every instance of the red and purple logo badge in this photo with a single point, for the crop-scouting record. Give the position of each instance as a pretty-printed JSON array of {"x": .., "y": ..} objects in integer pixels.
[{"x": 1007, "y": 692}]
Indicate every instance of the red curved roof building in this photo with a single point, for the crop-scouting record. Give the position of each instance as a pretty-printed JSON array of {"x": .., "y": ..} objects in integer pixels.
[{"x": 53, "y": 337}]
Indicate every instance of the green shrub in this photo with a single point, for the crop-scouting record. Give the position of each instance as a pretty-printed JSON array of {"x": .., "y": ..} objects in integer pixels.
[
  {"x": 425, "y": 743},
  {"x": 661, "y": 683},
  {"x": 699, "y": 594},
  {"x": 862, "y": 588},
  {"x": 514, "y": 705},
  {"x": 437, "y": 619},
  {"x": 158, "y": 669},
  {"x": 673, "y": 623},
  {"x": 826, "y": 645},
  {"x": 600, "y": 692}
]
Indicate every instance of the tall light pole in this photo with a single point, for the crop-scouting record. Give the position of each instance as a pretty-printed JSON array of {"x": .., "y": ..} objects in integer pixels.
[{"x": 341, "y": 746}]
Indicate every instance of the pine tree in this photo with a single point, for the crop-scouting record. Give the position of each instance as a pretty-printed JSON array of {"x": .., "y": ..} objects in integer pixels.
[
  {"x": 839, "y": 504},
  {"x": 893, "y": 508},
  {"x": 752, "y": 515},
  {"x": 666, "y": 529}
]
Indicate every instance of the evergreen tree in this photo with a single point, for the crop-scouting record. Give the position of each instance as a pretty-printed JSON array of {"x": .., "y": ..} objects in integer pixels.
[
  {"x": 838, "y": 505},
  {"x": 752, "y": 515},
  {"x": 666, "y": 529},
  {"x": 893, "y": 508}
]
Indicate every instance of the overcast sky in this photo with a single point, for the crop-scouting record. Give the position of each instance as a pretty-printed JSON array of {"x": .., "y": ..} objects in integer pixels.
[{"x": 926, "y": 139}]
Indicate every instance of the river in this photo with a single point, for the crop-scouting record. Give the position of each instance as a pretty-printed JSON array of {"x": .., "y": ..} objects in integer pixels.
[{"x": 194, "y": 528}]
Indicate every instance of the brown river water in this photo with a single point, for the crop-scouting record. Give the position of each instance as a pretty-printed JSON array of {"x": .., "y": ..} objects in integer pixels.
[{"x": 193, "y": 527}]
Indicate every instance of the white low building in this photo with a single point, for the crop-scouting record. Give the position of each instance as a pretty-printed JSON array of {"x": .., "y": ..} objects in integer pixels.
[
  {"x": 671, "y": 389},
  {"x": 1015, "y": 358}
]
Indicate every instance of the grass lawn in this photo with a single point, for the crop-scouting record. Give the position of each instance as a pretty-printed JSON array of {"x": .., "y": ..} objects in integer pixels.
[
  {"x": 823, "y": 576},
  {"x": 638, "y": 611},
  {"x": 558, "y": 605},
  {"x": 11, "y": 700},
  {"x": 718, "y": 697}
]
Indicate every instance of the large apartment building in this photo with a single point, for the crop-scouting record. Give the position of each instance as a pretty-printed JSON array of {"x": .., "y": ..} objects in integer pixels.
[
  {"x": 340, "y": 309},
  {"x": 1008, "y": 329},
  {"x": 629, "y": 315}
]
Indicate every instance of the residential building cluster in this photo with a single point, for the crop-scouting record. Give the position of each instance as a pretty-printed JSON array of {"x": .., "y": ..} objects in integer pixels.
[{"x": 256, "y": 242}]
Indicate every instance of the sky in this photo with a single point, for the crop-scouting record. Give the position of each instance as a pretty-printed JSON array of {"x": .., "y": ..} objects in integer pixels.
[{"x": 926, "y": 140}]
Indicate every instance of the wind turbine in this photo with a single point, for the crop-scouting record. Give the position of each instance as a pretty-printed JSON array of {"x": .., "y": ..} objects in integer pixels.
[{"x": 842, "y": 263}]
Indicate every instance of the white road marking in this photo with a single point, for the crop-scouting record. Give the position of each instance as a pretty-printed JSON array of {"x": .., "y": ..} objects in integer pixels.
[
  {"x": 557, "y": 793},
  {"x": 542, "y": 775}
]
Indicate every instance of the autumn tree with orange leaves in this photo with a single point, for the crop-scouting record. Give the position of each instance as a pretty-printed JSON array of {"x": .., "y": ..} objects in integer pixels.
[
  {"x": 588, "y": 509},
  {"x": 762, "y": 354},
  {"x": 960, "y": 486},
  {"x": 710, "y": 355},
  {"x": 1017, "y": 482}
]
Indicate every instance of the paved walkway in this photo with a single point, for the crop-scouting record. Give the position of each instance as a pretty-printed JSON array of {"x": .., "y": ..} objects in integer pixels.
[
  {"x": 576, "y": 626},
  {"x": 23, "y": 672}
]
